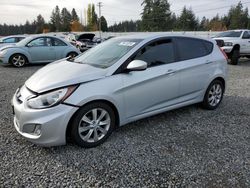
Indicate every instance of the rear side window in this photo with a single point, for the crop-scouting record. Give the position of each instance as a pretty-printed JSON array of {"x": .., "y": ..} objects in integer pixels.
[
  {"x": 193, "y": 48},
  {"x": 18, "y": 39},
  {"x": 58, "y": 42}
]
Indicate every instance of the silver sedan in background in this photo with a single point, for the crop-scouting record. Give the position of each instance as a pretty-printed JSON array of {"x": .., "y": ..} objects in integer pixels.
[
  {"x": 37, "y": 49},
  {"x": 119, "y": 81}
]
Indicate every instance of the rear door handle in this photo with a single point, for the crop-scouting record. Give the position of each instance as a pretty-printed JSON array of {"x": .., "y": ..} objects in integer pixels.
[{"x": 209, "y": 62}]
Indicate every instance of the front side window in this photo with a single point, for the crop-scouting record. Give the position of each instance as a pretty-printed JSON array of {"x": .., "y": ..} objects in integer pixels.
[
  {"x": 191, "y": 48},
  {"x": 9, "y": 40},
  {"x": 157, "y": 53},
  {"x": 39, "y": 42},
  {"x": 246, "y": 35},
  {"x": 107, "y": 53}
]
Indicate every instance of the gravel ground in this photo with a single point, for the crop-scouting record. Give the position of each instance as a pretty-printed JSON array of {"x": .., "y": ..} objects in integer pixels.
[{"x": 189, "y": 147}]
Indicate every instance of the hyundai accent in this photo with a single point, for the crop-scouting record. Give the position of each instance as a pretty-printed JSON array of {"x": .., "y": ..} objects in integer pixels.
[{"x": 119, "y": 81}]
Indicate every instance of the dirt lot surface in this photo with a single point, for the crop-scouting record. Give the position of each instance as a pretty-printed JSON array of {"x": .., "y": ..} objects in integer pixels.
[{"x": 189, "y": 147}]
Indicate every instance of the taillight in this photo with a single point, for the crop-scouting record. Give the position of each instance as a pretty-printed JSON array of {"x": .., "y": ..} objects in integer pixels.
[{"x": 225, "y": 55}]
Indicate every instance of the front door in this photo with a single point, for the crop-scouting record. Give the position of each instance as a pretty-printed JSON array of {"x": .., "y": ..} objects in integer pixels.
[
  {"x": 158, "y": 86},
  {"x": 41, "y": 50}
]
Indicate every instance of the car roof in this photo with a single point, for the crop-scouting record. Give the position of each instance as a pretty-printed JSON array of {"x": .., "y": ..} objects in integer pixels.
[
  {"x": 5, "y": 37},
  {"x": 152, "y": 36}
]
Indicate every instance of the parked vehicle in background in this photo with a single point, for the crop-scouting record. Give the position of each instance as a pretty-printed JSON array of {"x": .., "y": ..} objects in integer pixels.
[
  {"x": 119, "y": 81},
  {"x": 235, "y": 44},
  {"x": 37, "y": 49},
  {"x": 86, "y": 41},
  {"x": 4, "y": 41}
]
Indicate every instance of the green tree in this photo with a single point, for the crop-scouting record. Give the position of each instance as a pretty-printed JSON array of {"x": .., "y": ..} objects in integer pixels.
[
  {"x": 39, "y": 22},
  {"x": 66, "y": 20},
  {"x": 74, "y": 15},
  {"x": 156, "y": 15},
  {"x": 104, "y": 24},
  {"x": 238, "y": 18},
  {"x": 187, "y": 20},
  {"x": 55, "y": 20},
  {"x": 91, "y": 18}
]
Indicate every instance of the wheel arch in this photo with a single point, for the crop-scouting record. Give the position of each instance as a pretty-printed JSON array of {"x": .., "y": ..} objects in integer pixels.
[
  {"x": 71, "y": 52},
  {"x": 236, "y": 47},
  {"x": 19, "y": 53},
  {"x": 114, "y": 108}
]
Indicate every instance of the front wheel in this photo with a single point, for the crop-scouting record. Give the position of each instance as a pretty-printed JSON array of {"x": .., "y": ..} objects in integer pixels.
[
  {"x": 93, "y": 124},
  {"x": 18, "y": 60},
  {"x": 214, "y": 95}
]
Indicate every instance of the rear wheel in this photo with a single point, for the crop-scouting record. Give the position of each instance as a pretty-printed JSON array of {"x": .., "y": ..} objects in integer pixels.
[
  {"x": 235, "y": 57},
  {"x": 72, "y": 54},
  {"x": 93, "y": 124},
  {"x": 18, "y": 60},
  {"x": 214, "y": 95}
]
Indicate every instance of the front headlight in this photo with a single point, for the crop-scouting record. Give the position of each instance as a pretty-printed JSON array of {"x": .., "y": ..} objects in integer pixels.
[
  {"x": 50, "y": 99},
  {"x": 228, "y": 44}
]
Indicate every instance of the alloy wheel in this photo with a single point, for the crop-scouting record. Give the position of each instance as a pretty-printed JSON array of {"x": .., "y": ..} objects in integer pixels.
[
  {"x": 18, "y": 61},
  {"x": 94, "y": 125},
  {"x": 215, "y": 95}
]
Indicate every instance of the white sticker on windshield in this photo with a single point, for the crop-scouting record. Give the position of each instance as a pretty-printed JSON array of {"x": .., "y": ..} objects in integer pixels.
[{"x": 127, "y": 44}]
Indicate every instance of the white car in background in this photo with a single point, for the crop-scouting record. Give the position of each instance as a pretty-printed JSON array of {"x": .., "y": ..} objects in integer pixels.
[{"x": 235, "y": 44}]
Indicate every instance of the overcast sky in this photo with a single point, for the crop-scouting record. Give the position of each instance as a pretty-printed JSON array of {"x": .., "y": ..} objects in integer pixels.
[{"x": 18, "y": 11}]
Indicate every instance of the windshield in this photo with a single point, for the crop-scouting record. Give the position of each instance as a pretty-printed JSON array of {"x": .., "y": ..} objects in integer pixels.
[
  {"x": 107, "y": 53},
  {"x": 230, "y": 34}
]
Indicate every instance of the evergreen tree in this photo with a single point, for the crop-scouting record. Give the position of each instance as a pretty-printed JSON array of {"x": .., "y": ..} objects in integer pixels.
[
  {"x": 187, "y": 20},
  {"x": 39, "y": 22},
  {"x": 156, "y": 15},
  {"x": 104, "y": 24},
  {"x": 74, "y": 15},
  {"x": 238, "y": 17},
  {"x": 55, "y": 20},
  {"x": 66, "y": 20}
]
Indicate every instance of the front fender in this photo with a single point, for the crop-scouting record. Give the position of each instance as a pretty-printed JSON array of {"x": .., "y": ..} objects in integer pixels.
[{"x": 13, "y": 51}]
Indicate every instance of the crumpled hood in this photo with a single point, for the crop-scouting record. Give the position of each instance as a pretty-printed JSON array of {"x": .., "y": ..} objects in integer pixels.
[{"x": 63, "y": 73}]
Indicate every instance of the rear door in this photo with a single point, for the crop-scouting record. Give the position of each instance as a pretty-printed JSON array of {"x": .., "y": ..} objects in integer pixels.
[{"x": 195, "y": 66}]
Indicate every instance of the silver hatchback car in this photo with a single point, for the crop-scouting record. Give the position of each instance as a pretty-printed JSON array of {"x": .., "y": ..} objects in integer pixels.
[{"x": 119, "y": 81}]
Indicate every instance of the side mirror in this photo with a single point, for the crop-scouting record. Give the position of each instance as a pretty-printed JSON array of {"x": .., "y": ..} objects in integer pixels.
[
  {"x": 137, "y": 65},
  {"x": 29, "y": 45}
]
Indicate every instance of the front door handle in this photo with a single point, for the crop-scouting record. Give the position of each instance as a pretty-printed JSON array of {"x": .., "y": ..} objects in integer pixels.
[{"x": 170, "y": 72}]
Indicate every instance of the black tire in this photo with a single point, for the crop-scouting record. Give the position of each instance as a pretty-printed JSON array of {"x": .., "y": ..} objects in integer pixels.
[
  {"x": 235, "y": 57},
  {"x": 18, "y": 60},
  {"x": 72, "y": 54},
  {"x": 78, "y": 123},
  {"x": 207, "y": 103}
]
